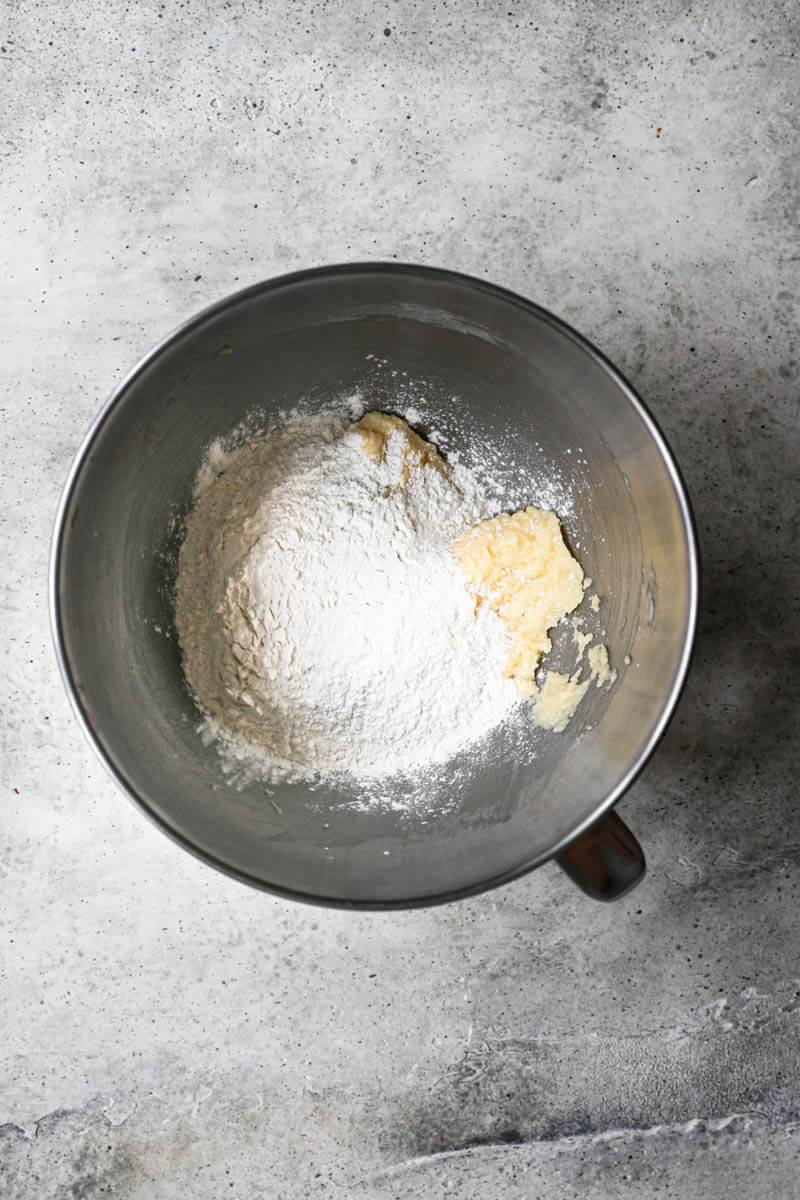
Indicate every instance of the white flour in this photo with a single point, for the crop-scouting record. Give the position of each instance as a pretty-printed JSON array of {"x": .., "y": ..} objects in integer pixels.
[{"x": 324, "y": 625}]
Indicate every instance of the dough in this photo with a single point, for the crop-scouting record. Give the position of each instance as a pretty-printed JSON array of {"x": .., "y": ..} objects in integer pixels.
[{"x": 518, "y": 564}]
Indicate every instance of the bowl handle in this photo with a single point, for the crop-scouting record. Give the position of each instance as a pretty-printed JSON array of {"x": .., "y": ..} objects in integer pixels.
[{"x": 606, "y": 861}]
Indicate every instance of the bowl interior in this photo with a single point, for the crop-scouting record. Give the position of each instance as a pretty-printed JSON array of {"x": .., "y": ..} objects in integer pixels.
[{"x": 483, "y": 370}]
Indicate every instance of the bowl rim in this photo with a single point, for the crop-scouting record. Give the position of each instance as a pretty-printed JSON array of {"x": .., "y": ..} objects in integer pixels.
[{"x": 275, "y": 283}]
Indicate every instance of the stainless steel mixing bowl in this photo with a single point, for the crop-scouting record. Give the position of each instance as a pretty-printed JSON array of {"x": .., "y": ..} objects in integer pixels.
[{"x": 487, "y": 362}]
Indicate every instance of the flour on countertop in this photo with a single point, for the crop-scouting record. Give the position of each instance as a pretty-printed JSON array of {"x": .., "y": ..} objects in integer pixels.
[{"x": 323, "y": 623}]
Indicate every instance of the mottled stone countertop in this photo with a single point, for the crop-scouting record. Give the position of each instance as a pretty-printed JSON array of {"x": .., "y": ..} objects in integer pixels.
[{"x": 634, "y": 167}]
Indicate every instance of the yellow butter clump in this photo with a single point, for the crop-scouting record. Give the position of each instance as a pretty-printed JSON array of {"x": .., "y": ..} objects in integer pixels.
[
  {"x": 376, "y": 429},
  {"x": 518, "y": 564}
]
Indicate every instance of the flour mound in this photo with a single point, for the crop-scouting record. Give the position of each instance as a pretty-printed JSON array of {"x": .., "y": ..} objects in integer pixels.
[{"x": 325, "y": 627}]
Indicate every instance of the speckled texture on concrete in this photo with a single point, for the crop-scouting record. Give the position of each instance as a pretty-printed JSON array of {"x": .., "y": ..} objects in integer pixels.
[{"x": 167, "y": 1032}]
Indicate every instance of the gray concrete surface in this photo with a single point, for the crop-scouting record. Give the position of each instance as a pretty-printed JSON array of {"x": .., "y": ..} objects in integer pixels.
[{"x": 168, "y": 1033}]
